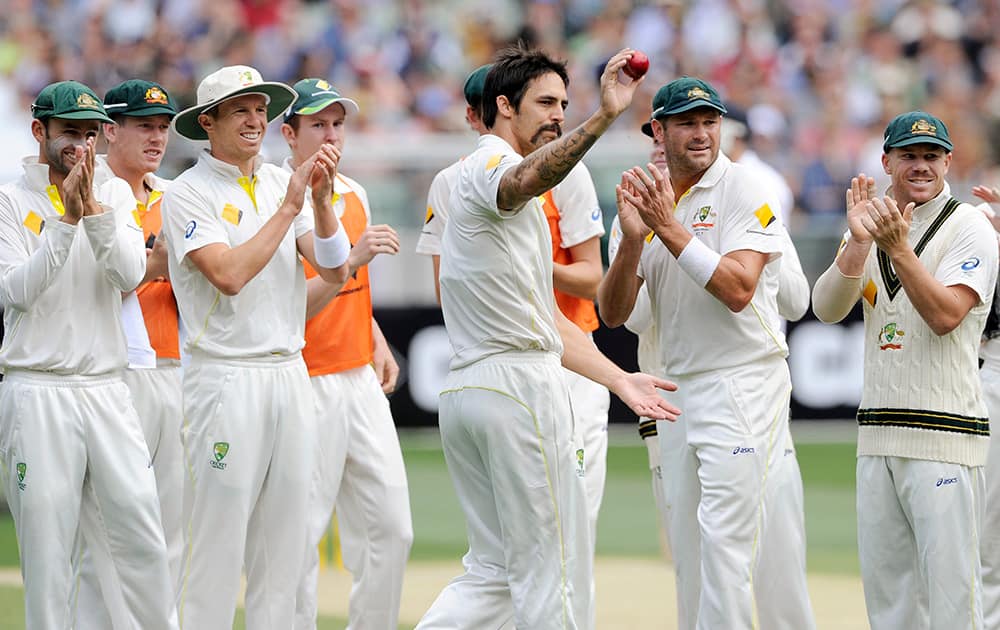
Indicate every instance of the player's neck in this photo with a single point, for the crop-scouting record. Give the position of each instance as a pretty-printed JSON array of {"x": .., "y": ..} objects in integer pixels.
[{"x": 135, "y": 178}]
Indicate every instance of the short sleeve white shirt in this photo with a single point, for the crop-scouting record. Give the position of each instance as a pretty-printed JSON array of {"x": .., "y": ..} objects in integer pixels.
[
  {"x": 209, "y": 203},
  {"x": 496, "y": 265},
  {"x": 729, "y": 211},
  {"x": 438, "y": 198},
  {"x": 580, "y": 216}
]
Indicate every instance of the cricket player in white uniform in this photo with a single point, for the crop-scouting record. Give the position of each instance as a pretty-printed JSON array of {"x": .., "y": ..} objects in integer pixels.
[
  {"x": 577, "y": 225},
  {"x": 507, "y": 425},
  {"x": 989, "y": 374},
  {"x": 924, "y": 266},
  {"x": 713, "y": 292},
  {"x": 72, "y": 449},
  {"x": 236, "y": 229},
  {"x": 142, "y": 111},
  {"x": 360, "y": 466}
]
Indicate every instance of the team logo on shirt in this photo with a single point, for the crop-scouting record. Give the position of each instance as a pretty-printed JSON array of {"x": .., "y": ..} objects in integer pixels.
[
  {"x": 703, "y": 219},
  {"x": 596, "y": 214},
  {"x": 429, "y": 216},
  {"x": 34, "y": 222},
  {"x": 970, "y": 264},
  {"x": 232, "y": 214},
  {"x": 22, "y": 470},
  {"x": 946, "y": 481},
  {"x": 889, "y": 338},
  {"x": 870, "y": 293},
  {"x": 189, "y": 230},
  {"x": 580, "y": 469},
  {"x": 764, "y": 215},
  {"x": 220, "y": 450}
]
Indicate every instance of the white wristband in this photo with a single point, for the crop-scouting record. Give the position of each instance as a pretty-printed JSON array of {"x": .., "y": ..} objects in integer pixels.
[
  {"x": 699, "y": 261},
  {"x": 332, "y": 252}
]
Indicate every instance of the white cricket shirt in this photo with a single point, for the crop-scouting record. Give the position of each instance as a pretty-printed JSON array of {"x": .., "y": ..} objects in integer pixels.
[
  {"x": 728, "y": 210},
  {"x": 438, "y": 197},
  {"x": 61, "y": 285},
  {"x": 496, "y": 265},
  {"x": 212, "y": 202}
]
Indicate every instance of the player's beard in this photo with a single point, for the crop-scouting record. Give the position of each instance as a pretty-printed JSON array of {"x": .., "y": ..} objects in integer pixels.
[
  {"x": 54, "y": 156},
  {"x": 537, "y": 141}
]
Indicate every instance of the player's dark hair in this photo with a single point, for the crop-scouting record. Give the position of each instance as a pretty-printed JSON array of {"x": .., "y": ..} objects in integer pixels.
[{"x": 512, "y": 70}]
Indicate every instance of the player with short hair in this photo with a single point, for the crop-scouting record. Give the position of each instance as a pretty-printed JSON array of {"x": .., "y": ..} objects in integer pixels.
[
  {"x": 924, "y": 266},
  {"x": 237, "y": 230},
  {"x": 137, "y": 140},
  {"x": 71, "y": 444},
  {"x": 700, "y": 237},
  {"x": 360, "y": 467},
  {"x": 577, "y": 225},
  {"x": 506, "y": 421}
]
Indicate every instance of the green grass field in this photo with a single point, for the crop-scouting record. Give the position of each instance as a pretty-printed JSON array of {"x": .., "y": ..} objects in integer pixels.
[{"x": 627, "y": 524}]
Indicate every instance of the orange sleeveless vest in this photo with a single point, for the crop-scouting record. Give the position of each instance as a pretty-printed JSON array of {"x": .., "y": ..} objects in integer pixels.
[
  {"x": 578, "y": 310},
  {"x": 156, "y": 297},
  {"x": 339, "y": 337}
]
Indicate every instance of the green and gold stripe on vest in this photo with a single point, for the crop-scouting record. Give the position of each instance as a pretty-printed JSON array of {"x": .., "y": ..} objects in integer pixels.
[{"x": 922, "y": 419}]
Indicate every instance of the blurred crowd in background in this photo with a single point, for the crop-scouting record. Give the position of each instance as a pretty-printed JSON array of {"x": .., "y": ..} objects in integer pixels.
[{"x": 818, "y": 79}]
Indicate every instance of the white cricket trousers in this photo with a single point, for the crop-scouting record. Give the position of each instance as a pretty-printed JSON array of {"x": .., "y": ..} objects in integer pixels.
[
  {"x": 156, "y": 396},
  {"x": 716, "y": 463},
  {"x": 507, "y": 433},
  {"x": 249, "y": 439},
  {"x": 918, "y": 541},
  {"x": 591, "y": 402},
  {"x": 781, "y": 591},
  {"x": 989, "y": 545},
  {"x": 74, "y": 459},
  {"x": 360, "y": 469}
]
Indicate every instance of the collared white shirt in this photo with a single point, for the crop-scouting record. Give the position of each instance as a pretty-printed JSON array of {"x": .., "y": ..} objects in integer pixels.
[
  {"x": 61, "y": 285},
  {"x": 210, "y": 203},
  {"x": 496, "y": 265},
  {"x": 728, "y": 210}
]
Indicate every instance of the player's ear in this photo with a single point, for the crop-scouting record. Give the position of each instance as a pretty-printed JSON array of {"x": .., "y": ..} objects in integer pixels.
[
  {"x": 504, "y": 107},
  {"x": 288, "y": 133},
  {"x": 38, "y": 129}
]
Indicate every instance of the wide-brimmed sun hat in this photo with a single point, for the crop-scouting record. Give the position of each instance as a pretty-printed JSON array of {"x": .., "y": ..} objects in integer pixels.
[{"x": 230, "y": 82}]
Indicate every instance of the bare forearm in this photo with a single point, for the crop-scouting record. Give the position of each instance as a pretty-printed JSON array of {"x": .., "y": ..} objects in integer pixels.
[
  {"x": 319, "y": 292},
  {"x": 579, "y": 279},
  {"x": 617, "y": 292},
  {"x": 581, "y": 355},
  {"x": 325, "y": 219},
  {"x": 241, "y": 264},
  {"x": 547, "y": 166}
]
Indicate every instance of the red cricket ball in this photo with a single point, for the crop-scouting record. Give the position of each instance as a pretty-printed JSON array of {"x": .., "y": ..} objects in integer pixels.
[{"x": 637, "y": 65}]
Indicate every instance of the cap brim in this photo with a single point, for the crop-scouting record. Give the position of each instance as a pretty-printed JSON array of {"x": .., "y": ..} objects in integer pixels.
[
  {"x": 83, "y": 115},
  {"x": 686, "y": 107},
  {"x": 152, "y": 110},
  {"x": 319, "y": 106},
  {"x": 918, "y": 140},
  {"x": 281, "y": 98}
]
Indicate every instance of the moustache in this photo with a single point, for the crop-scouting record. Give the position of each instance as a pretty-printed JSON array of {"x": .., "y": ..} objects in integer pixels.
[{"x": 554, "y": 127}]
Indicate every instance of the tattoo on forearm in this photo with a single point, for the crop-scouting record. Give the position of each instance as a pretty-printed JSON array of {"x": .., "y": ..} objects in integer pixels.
[{"x": 547, "y": 166}]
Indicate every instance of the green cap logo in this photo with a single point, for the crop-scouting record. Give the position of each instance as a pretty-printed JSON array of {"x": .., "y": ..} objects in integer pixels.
[
  {"x": 22, "y": 468},
  {"x": 221, "y": 448}
]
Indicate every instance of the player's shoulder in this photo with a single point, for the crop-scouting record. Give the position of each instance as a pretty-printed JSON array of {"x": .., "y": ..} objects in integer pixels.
[
  {"x": 272, "y": 172},
  {"x": 115, "y": 190},
  {"x": 448, "y": 174},
  {"x": 344, "y": 184}
]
